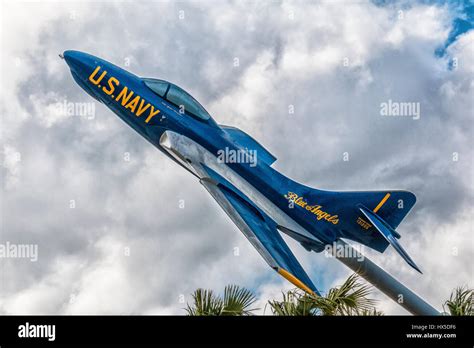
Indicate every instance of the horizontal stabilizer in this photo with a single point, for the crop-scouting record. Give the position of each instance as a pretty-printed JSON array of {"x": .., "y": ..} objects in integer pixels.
[{"x": 388, "y": 233}]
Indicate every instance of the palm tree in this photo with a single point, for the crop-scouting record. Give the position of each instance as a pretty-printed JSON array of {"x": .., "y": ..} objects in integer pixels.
[
  {"x": 236, "y": 301},
  {"x": 351, "y": 298},
  {"x": 293, "y": 303},
  {"x": 460, "y": 302},
  {"x": 348, "y": 299}
]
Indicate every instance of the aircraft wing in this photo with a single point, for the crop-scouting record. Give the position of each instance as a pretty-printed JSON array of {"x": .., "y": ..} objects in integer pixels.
[{"x": 262, "y": 233}]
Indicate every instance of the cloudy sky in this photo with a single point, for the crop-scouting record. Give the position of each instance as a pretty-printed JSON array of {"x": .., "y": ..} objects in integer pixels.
[{"x": 122, "y": 229}]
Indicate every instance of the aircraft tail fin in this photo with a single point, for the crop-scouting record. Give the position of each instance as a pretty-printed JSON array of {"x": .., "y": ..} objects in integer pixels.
[
  {"x": 391, "y": 206},
  {"x": 367, "y": 217},
  {"x": 376, "y": 215}
]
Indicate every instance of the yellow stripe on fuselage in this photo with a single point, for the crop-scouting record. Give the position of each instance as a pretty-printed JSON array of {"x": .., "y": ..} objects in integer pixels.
[
  {"x": 382, "y": 202},
  {"x": 295, "y": 281}
]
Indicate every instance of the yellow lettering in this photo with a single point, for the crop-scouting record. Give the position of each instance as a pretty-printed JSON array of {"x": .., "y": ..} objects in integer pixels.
[
  {"x": 111, "y": 86},
  {"x": 133, "y": 104},
  {"x": 91, "y": 77},
  {"x": 152, "y": 114},
  {"x": 314, "y": 209},
  {"x": 301, "y": 202},
  {"x": 124, "y": 96},
  {"x": 142, "y": 109},
  {"x": 365, "y": 225}
]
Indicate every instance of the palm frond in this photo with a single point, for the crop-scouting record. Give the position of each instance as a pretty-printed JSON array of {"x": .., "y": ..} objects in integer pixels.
[
  {"x": 350, "y": 298},
  {"x": 205, "y": 303},
  {"x": 292, "y": 304},
  {"x": 460, "y": 302},
  {"x": 237, "y": 301},
  {"x": 369, "y": 312}
]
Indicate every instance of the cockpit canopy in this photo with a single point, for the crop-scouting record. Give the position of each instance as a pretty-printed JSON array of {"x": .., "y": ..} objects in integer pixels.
[{"x": 177, "y": 96}]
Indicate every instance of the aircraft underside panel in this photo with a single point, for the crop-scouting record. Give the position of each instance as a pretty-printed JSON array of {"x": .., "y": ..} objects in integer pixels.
[
  {"x": 262, "y": 234},
  {"x": 244, "y": 208},
  {"x": 192, "y": 155}
]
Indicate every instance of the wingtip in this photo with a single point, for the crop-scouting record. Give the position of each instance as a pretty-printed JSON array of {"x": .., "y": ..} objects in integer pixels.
[
  {"x": 310, "y": 289},
  {"x": 416, "y": 268},
  {"x": 408, "y": 259}
]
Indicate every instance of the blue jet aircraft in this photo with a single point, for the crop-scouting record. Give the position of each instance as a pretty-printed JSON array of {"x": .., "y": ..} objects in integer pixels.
[{"x": 237, "y": 171}]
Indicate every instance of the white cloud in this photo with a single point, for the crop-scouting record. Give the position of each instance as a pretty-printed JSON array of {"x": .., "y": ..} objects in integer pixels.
[{"x": 11, "y": 162}]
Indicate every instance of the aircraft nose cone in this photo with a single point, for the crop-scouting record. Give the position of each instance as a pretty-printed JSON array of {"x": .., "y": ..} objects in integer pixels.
[
  {"x": 77, "y": 61},
  {"x": 72, "y": 59}
]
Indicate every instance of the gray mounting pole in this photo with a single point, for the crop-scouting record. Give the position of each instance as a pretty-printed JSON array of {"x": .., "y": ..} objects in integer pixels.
[{"x": 391, "y": 287}]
